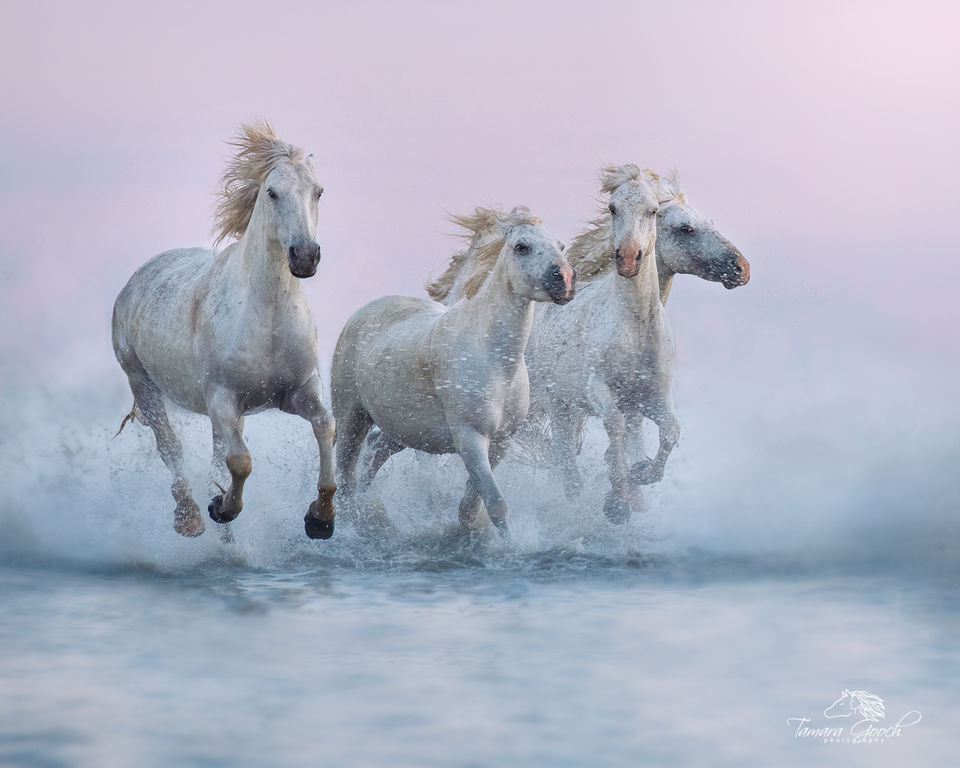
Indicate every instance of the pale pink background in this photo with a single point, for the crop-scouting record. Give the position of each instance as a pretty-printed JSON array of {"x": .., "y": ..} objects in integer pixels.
[{"x": 821, "y": 137}]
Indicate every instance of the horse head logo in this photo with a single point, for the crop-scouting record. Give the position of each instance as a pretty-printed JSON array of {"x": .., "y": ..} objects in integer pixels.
[{"x": 869, "y": 707}]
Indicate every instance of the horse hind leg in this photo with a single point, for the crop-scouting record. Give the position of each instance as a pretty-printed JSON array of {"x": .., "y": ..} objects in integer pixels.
[
  {"x": 220, "y": 478},
  {"x": 227, "y": 420},
  {"x": 372, "y": 514},
  {"x": 187, "y": 520},
  {"x": 352, "y": 427}
]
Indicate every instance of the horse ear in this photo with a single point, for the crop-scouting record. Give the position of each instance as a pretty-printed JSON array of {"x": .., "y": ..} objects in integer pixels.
[{"x": 309, "y": 159}]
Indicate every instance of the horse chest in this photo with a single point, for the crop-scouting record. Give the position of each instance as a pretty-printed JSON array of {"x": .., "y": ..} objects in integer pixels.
[{"x": 264, "y": 360}]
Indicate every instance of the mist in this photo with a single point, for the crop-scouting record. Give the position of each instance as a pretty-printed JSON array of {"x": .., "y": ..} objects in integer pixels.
[{"x": 817, "y": 402}]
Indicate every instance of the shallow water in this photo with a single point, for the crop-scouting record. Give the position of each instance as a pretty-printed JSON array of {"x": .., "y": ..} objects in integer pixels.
[
  {"x": 481, "y": 658},
  {"x": 758, "y": 584}
]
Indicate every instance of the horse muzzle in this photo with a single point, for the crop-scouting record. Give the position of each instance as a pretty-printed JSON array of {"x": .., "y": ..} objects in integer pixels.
[
  {"x": 628, "y": 262},
  {"x": 560, "y": 283},
  {"x": 303, "y": 259},
  {"x": 738, "y": 274}
]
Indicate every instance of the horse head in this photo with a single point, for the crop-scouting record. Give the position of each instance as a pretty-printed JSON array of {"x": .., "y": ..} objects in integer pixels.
[
  {"x": 633, "y": 215},
  {"x": 689, "y": 244},
  {"x": 536, "y": 264},
  {"x": 289, "y": 197},
  {"x": 269, "y": 191}
]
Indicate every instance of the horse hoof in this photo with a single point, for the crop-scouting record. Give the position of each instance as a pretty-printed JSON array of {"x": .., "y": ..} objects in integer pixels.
[
  {"x": 188, "y": 524},
  {"x": 215, "y": 508},
  {"x": 645, "y": 472},
  {"x": 318, "y": 529},
  {"x": 616, "y": 509}
]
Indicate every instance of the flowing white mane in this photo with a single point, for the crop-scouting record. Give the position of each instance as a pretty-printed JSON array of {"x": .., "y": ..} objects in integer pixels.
[
  {"x": 259, "y": 151},
  {"x": 589, "y": 253},
  {"x": 486, "y": 232}
]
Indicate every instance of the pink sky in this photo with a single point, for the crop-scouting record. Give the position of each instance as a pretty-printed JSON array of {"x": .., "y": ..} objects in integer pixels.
[{"x": 821, "y": 137}]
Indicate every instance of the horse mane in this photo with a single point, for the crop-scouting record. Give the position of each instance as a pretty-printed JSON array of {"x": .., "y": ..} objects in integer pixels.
[
  {"x": 589, "y": 252},
  {"x": 486, "y": 231},
  {"x": 871, "y": 707},
  {"x": 259, "y": 152}
]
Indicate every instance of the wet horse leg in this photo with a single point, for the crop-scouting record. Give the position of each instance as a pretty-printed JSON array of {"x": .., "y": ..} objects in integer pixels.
[
  {"x": 305, "y": 402},
  {"x": 647, "y": 471},
  {"x": 379, "y": 449},
  {"x": 187, "y": 520},
  {"x": 617, "y": 504},
  {"x": 371, "y": 514},
  {"x": 471, "y": 502},
  {"x": 225, "y": 416},
  {"x": 351, "y": 429},
  {"x": 220, "y": 476},
  {"x": 474, "y": 449},
  {"x": 566, "y": 426}
]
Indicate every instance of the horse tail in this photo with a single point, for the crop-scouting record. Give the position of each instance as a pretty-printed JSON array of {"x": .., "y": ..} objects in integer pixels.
[{"x": 134, "y": 415}]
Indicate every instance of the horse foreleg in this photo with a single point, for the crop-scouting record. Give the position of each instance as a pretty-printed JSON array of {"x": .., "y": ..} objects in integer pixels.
[
  {"x": 470, "y": 503},
  {"x": 617, "y": 505},
  {"x": 566, "y": 426},
  {"x": 227, "y": 421},
  {"x": 474, "y": 449},
  {"x": 187, "y": 520},
  {"x": 647, "y": 471},
  {"x": 305, "y": 402}
]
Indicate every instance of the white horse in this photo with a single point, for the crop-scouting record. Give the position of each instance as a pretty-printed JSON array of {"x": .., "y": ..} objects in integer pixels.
[
  {"x": 446, "y": 380},
  {"x": 610, "y": 352},
  {"x": 229, "y": 333}
]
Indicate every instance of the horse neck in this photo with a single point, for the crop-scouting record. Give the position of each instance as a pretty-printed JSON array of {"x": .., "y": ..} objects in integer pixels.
[
  {"x": 262, "y": 263},
  {"x": 501, "y": 316},
  {"x": 665, "y": 277}
]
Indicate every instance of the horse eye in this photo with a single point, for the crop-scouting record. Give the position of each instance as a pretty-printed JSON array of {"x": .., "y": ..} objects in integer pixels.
[
  {"x": 522, "y": 248},
  {"x": 686, "y": 229},
  {"x": 613, "y": 209},
  {"x": 271, "y": 194}
]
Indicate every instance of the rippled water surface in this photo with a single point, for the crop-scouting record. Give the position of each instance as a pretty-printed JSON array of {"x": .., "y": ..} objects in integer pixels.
[
  {"x": 467, "y": 658},
  {"x": 755, "y": 588}
]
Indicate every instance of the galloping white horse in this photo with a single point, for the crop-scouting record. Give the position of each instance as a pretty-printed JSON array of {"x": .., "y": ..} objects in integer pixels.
[
  {"x": 230, "y": 333},
  {"x": 610, "y": 352},
  {"x": 450, "y": 380}
]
